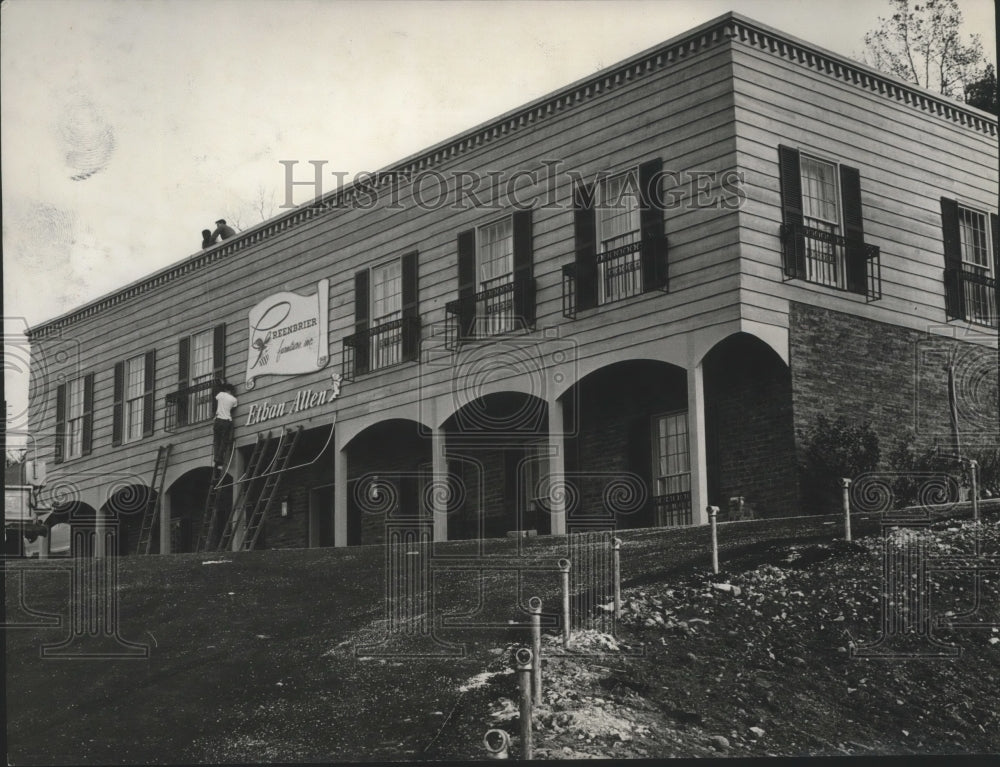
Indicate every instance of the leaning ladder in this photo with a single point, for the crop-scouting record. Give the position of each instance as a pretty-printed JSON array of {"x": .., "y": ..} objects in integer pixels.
[
  {"x": 255, "y": 519},
  {"x": 152, "y": 510},
  {"x": 245, "y": 483},
  {"x": 210, "y": 520}
]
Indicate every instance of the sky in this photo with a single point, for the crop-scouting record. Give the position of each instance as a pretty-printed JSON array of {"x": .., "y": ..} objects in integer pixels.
[{"x": 126, "y": 128}]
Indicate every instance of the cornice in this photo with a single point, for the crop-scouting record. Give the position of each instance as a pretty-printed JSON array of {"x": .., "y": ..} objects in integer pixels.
[{"x": 729, "y": 28}]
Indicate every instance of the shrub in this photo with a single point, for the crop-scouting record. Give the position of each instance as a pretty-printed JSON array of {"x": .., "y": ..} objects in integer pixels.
[{"x": 835, "y": 450}]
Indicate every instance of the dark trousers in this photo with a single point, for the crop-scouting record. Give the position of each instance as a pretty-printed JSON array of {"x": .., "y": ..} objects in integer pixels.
[{"x": 222, "y": 435}]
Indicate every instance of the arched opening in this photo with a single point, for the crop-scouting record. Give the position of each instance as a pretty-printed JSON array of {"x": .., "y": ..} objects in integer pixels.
[
  {"x": 750, "y": 447},
  {"x": 126, "y": 507},
  {"x": 388, "y": 470},
  {"x": 188, "y": 497},
  {"x": 627, "y": 453},
  {"x": 498, "y": 455}
]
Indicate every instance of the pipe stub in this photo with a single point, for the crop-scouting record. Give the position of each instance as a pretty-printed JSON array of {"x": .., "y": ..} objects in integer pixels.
[
  {"x": 496, "y": 741},
  {"x": 616, "y": 543},
  {"x": 535, "y": 605},
  {"x": 523, "y": 656},
  {"x": 564, "y": 565}
]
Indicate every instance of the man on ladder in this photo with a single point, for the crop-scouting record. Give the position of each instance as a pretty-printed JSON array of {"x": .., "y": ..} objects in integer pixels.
[{"x": 222, "y": 432}]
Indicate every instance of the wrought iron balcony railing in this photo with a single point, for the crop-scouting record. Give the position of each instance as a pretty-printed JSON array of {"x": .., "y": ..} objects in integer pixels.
[
  {"x": 825, "y": 258},
  {"x": 673, "y": 510},
  {"x": 616, "y": 274},
  {"x": 504, "y": 305},
  {"x": 382, "y": 346},
  {"x": 189, "y": 405},
  {"x": 972, "y": 296}
]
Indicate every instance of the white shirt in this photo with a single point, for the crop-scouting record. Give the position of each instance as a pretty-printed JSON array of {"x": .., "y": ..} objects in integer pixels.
[{"x": 226, "y": 404}]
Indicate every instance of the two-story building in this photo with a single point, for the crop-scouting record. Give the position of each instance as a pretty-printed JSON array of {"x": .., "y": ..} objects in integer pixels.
[{"x": 619, "y": 303}]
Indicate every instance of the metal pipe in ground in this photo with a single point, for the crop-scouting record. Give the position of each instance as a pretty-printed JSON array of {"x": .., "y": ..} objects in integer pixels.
[
  {"x": 564, "y": 565},
  {"x": 974, "y": 477},
  {"x": 522, "y": 659},
  {"x": 497, "y": 743},
  {"x": 535, "y": 606},
  {"x": 713, "y": 513},
  {"x": 845, "y": 485},
  {"x": 616, "y": 564}
]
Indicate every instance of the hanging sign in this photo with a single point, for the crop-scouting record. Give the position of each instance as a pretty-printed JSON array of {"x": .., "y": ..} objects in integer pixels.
[{"x": 289, "y": 334}]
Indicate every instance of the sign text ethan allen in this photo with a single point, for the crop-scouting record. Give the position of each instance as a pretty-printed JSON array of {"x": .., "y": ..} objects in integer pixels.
[{"x": 305, "y": 399}]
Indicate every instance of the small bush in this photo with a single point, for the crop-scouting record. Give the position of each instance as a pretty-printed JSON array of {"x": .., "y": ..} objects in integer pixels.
[
  {"x": 833, "y": 451},
  {"x": 909, "y": 462}
]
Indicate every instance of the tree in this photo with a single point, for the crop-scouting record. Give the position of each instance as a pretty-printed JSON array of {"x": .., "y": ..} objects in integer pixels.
[
  {"x": 921, "y": 43},
  {"x": 983, "y": 93},
  {"x": 250, "y": 212}
]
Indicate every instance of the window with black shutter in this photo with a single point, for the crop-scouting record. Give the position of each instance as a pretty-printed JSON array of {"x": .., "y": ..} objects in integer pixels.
[
  {"x": 496, "y": 285},
  {"x": 133, "y": 398},
  {"x": 75, "y": 418},
  {"x": 823, "y": 238},
  {"x": 201, "y": 365},
  {"x": 386, "y": 317},
  {"x": 620, "y": 239},
  {"x": 971, "y": 263}
]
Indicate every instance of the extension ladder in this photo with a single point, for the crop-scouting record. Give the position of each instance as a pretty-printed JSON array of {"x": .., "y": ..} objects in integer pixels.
[{"x": 152, "y": 511}]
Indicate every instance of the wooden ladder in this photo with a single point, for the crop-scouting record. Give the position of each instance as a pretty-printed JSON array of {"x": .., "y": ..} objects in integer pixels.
[
  {"x": 246, "y": 482},
  {"x": 152, "y": 511},
  {"x": 255, "y": 518}
]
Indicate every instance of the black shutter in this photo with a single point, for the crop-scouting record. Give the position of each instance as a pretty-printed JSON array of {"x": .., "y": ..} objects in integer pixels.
[
  {"x": 361, "y": 319},
  {"x": 585, "y": 236},
  {"x": 524, "y": 283},
  {"x": 953, "y": 303},
  {"x": 467, "y": 284},
  {"x": 854, "y": 230},
  {"x": 60, "y": 422},
  {"x": 119, "y": 406},
  {"x": 411, "y": 307},
  {"x": 183, "y": 374},
  {"x": 88, "y": 413},
  {"x": 219, "y": 352},
  {"x": 654, "y": 240},
  {"x": 791, "y": 212},
  {"x": 148, "y": 394}
]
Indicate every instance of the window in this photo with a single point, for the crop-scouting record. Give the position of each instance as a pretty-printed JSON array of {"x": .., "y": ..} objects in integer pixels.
[
  {"x": 970, "y": 250},
  {"x": 495, "y": 307},
  {"x": 671, "y": 454},
  {"x": 496, "y": 289},
  {"x": 387, "y": 307},
  {"x": 821, "y": 212},
  {"x": 201, "y": 362},
  {"x": 671, "y": 469},
  {"x": 74, "y": 418},
  {"x": 822, "y": 227},
  {"x": 133, "y": 406},
  {"x": 386, "y": 320},
  {"x": 202, "y": 369},
  {"x": 618, "y": 235},
  {"x": 972, "y": 235}
]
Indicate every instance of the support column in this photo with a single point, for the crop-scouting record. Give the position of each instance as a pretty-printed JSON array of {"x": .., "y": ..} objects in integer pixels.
[
  {"x": 237, "y": 467},
  {"x": 100, "y": 532},
  {"x": 439, "y": 468},
  {"x": 165, "y": 523},
  {"x": 557, "y": 467},
  {"x": 339, "y": 490},
  {"x": 696, "y": 443}
]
